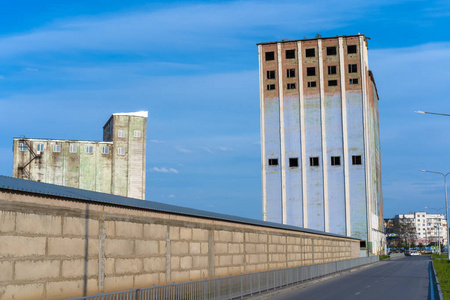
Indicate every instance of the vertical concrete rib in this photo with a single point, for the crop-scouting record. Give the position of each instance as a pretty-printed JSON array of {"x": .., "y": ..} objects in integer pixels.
[
  {"x": 282, "y": 136},
  {"x": 263, "y": 133},
  {"x": 302, "y": 134},
  {"x": 366, "y": 134},
  {"x": 324, "y": 139},
  {"x": 345, "y": 136}
]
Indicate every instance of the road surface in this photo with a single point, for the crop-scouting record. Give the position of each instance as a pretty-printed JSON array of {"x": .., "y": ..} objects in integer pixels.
[{"x": 404, "y": 278}]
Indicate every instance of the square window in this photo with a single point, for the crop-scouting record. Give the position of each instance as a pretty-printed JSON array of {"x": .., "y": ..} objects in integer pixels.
[
  {"x": 270, "y": 87},
  {"x": 311, "y": 52},
  {"x": 121, "y": 151},
  {"x": 290, "y": 54},
  {"x": 89, "y": 149},
  {"x": 353, "y": 68},
  {"x": 331, "y": 51},
  {"x": 290, "y": 73},
  {"x": 293, "y": 162},
  {"x": 351, "y": 49},
  {"x": 314, "y": 161},
  {"x": 273, "y": 161},
  {"x": 73, "y": 149},
  {"x": 57, "y": 148},
  {"x": 40, "y": 147},
  {"x": 354, "y": 80},
  {"x": 332, "y": 70},
  {"x": 105, "y": 150},
  {"x": 356, "y": 160},
  {"x": 332, "y": 83},
  {"x": 335, "y": 160},
  {"x": 270, "y": 74},
  {"x": 311, "y": 71},
  {"x": 23, "y": 147},
  {"x": 121, "y": 133},
  {"x": 270, "y": 56},
  {"x": 137, "y": 133},
  {"x": 312, "y": 84},
  {"x": 291, "y": 86}
]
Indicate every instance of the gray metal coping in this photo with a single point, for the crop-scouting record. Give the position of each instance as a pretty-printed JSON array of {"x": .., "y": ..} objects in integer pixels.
[{"x": 34, "y": 187}]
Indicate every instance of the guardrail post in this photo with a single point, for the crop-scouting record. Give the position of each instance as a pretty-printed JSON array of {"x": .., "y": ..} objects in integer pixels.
[{"x": 241, "y": 286}]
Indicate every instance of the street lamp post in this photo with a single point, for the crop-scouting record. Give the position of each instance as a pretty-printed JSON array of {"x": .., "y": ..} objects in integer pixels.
[
  {"x": 446, "y": 206},
  {"x": 438, "y": 227}
]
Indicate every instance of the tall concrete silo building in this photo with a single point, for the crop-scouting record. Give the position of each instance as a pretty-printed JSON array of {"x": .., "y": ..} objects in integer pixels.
[
  {"x": 115, "y": 165},
  {"x": 320, "y": 138}
]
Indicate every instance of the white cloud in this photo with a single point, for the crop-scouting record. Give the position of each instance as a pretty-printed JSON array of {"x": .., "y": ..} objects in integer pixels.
[
  {"x": 183, "y": 150},
  {"x": 171, "y": 196},
  {"x": 157, "y": 141},
  {"x": 206, "y": 149},
  {"x": 222, "y": 148},
  {"x": 164, "y": 170},
  {"x": 31, "y": 69}
]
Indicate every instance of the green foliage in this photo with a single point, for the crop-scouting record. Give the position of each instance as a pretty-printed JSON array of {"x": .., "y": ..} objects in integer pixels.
[
  {"x": 442, "y": 268},
  {"x": 434, "y": 256},
  {"x": 384, "y": 257}
]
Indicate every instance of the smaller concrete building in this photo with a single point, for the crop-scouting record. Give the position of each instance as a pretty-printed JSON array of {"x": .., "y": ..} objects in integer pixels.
[
  {"x": 115, "y": 165},
  {"x": 428, "y": 227}
]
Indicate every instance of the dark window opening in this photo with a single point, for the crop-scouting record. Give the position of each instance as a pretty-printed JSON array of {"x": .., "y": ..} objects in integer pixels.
[
  {"x": 290, "y": 73},
  {"x": 291, "y": 86},
  {"x": 312, "y": 84},
  {"x": 362, "y": 244},
  {"x": 352, "y": 68},
  {"x": 335, "y": 160},
  {"x": 331, "y": 51},
  {"x": 270, "y": 74},
  {"x": 351, "y": 49},
  {"x": 356, "y": 160},
  {"x": 354, "y": 81},
  {"x": 311, "y": 71},
  {"x": 332, "y": 70},
  {"x": 270, "y": 56},
  {"x": 314, "y": 161},
  {"x": 290, "y": 54},
  {"x": 273, "y": 161},
  {"x": 311, "y": 52},
  {"x": 293, "y": 162},
  {"x": 270, "y": 87},
  {"x": 332, "y": 82}
]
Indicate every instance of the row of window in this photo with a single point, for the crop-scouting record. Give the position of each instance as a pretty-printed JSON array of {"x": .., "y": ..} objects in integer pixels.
[
  {"x": 72, "y": 148},
  {"x": 121, "y": 133},
  {"x": 314, "y": 161},
  {"x": 310, "y": 52},
  {"x": 311, "y": 71},
  {"x": 311, "y": 84}
]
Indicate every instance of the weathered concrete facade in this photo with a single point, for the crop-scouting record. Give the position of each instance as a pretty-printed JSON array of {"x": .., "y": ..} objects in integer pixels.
[
  {"x": 320, "y": 139},
  {"x": 57, "y": 246},
  {"x": 116, "y": 165}
]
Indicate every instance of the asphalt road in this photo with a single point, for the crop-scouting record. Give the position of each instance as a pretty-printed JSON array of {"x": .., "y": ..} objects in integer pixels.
[{"x": 404, "y": 278}]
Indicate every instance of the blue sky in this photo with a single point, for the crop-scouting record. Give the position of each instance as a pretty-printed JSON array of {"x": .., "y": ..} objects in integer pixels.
[{"x": 66, "y": 66}]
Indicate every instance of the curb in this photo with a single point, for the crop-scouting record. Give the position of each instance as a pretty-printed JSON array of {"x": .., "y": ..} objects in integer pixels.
[{"x": 440, "y": 296}]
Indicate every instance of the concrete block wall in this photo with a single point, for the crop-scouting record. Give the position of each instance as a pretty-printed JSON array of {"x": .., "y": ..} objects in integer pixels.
[{"x": 53, "y": 248}]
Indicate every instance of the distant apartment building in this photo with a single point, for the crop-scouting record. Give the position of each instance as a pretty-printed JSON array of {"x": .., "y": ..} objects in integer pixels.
[
  {"x": 320, "y": 141},
  {"x": 428, "y": 228},
  {"x": 115, "y": 165}
]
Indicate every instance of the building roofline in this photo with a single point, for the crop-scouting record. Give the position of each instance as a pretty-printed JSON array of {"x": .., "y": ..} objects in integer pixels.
[
  {"x": 141, "y": 113},
  {"x": 39, "y": 188},
  {"x": 317, "y": 38},
  {"x": 60, "y": 140}
]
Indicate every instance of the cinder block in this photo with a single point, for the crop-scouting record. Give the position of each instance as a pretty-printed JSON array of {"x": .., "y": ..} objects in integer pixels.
[
  {"x": 6, "y": 271},
  {"x": 128, "y": 265},
  {"x": 110, "y": 229},
  {"x": 155, "y": 231},
  {"x": 223, "y": 236},
  {"x": 146, "y": 247},
  {"x": 262, "y": 238},
  {"x": 174, "y": 233},
  {"x": 38, "y": 224},
  {"x": 8, "y": 221},
  {"x": 238, "y": 259},
  {"x": 238, "y": 237},
  {"x": 179, "y": 276},
  {"x": 36, "y": 270},
  {"x": 200, "y": 262},
  {"x": 77, "y": 227},
  {"x": 179, "y": 248},
  {"x": 20, "y": 246},
  {"x": 154, "y": 264},
  {"x": 146, "y": 280},
  {"x": 195, "y": 275},
  {"x": 194, "y": 248},
  {"x": 250, "y": 248},
  {"x": 22, "y": 291},
  {"x": 225, "y": 260},
  {"x": 175, "y": 263},
  {"x": 261, "y": 248},
  {"x": 72, "y": 246},
  {"x": 115, "y": 247},
  {"x": 204, "y": 248},
  {"x": 129, "y": 230},
  {"x": 220, "y": 248},
  {"x": 162, "y": 247},
  {"x": 221, "y": 271},
  {"x": 76, "y": 268},
  {"x": 109, "y": 266},
  {"x": 118, "y": 283},
  {"x": 199, "y": 234},
  {"x": 64, "y": 289},
  {"x": 233, "y": 248},
  {"x": 251, "y": 237},
  {"x": 186, "y": 263},
  {"x": 185, "y": 234}
]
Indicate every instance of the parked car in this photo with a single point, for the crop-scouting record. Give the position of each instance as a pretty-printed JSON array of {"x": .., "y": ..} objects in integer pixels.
[{"x": 413, "y": 253}]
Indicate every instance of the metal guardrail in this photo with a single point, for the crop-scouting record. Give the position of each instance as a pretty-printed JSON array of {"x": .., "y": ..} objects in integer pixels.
[
  {"x": 236, "y": 286},
  {"x": 397, "y": 255}
]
